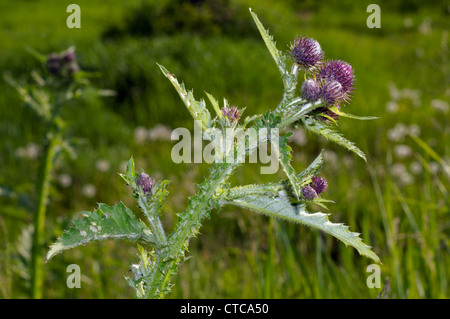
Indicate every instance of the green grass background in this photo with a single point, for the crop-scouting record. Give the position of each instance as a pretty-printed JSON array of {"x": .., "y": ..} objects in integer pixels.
[{"x": 239, "y": 254}]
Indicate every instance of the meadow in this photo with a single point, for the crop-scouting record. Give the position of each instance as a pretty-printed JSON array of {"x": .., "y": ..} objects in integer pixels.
[{"x": 398, "y": 200}]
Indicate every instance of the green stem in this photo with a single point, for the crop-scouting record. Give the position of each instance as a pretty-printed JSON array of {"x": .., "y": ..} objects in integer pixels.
[
  {"x": 39, "y": 219},
  {"x": 167, "y": 260},
  {"x": 50, "y": 141},
  {"x": 154, "y": 223}
]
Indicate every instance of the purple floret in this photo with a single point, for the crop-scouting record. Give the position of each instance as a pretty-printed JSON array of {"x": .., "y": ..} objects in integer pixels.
[
  {"x": 340, "y": 71},
  {"x": 146, "y": 182},
  {"x": 319, "y": 184},
  {"x": 306, "y": 52},
  {"x": 309, "y": 193},
  {"x": 311, "y": 90}
]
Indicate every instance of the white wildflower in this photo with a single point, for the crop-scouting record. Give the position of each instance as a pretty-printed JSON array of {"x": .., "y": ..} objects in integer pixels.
[
  {"x": 102, "y": 165},
  {"x": 89, "y": 190},
  {"x": 140, "y": 134},
  {"x": 439, "y": 105},
  {"x": 65, "y": 180},
  {"x": 393, "y": 91},
  {"x": 391, "y": 107},
  {"x": 408, "y": 22},
  {"x": 414, "y": 129},
  {"x": 403, "y": 151},
  {"x": 425, "y": 26},
  {"x": 160, "y": 132},
  {"x": 415, "y": 168},
  {"x": 434, "y": 167}
]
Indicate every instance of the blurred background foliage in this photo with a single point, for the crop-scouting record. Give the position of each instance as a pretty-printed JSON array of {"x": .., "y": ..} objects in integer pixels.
[{"x": 398, "y": 200}]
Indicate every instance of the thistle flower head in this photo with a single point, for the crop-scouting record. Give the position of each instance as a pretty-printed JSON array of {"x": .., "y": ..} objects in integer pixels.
[
  {"x": 54, "y": 63},
  {"x": 340, "y": 71},
  {"x": 311, "y": 90},
  {"x": 69, "y": 56},
  {"x": 306, "y": 52},
  {"x": 309, "y": 193},
  {"x": 232, "y": 113},
  {"x": 332, "y": 92},
  {"x": 146, "y": 182},
  {"x": 319, "y": 184},
  {"x": 63, "y": 64}
]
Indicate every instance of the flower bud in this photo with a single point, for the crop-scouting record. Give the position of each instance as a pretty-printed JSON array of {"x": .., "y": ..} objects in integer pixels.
[
  {"x": 231, "y": 113},
  {"x": 309, "y": 193},
  {"x": 69, "y": 56},
  {"x": 311, "y": 90},
  {"x": 54, "y": 63},
  {"x": 306, "y": 52},
  {"x": 340, "y": 71},
  {"x": 319, "y": 184},
  {"x": 146, "y": 182},
  {"x": 332, "y": 92}
]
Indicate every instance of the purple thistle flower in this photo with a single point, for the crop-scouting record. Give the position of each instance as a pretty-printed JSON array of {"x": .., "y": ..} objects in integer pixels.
[
  {"x": 309, "y": 193},
  {"x": 54, "y": 63},
  {"x": 306, "y": 52},
  {"x": 319, "y": 184},
  {"x": 231, "y": 113},
  {"x": 311, "y": 90},
  {"x": 337, "y": 70},
  {"x": 69, "y": 56},
  {"x": 146, "y": 182},
  {"x": 333, "y": 92}
]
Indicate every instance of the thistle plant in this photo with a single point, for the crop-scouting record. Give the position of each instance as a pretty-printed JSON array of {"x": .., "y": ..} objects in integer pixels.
[
  {"x": 316, "y": 105},
  {"x": 58, "y": 83}
]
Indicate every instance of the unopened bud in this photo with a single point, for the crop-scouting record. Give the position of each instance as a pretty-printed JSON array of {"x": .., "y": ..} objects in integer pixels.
[
  {"x": 319, "y": 184},
  {"x": 146, "y": 182},
  {"x": 309, "y": 192},
  {"x": 231, "y": 113}
]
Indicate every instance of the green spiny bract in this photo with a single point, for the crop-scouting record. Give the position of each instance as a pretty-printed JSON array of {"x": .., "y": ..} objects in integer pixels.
[{"x": 286, "y": 199}]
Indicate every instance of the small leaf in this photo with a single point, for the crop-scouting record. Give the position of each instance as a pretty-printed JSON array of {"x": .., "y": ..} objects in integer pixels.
[
  {"x": 277, "y": 55},
  {"x": 356, "y": 117},
  {"x": 39, "y": 56},
  {"x": 106, "y": 222},
  {"x": 131, "y": 172},
  {"x": 280, "y": 206},
  {"x": 293, "y": 112},
  {"x": 312, "y": 169},
  {"x": 269, "y": 189},
  {"x": 285, "y": 158},
  {"x": 197, "y": 109},
  {"x": 318, "y": 127},
  {"x": 215, "y": 105},
  {"x": 33, "y": 98}
]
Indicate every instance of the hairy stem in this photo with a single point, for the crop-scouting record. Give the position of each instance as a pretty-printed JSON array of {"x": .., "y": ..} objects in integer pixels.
[
  {"x": 43, "y": 187},
  {"x": 154, "y": 223},
  {"x": 200, "y": 205},
  {"x": 51, "y": 139}
]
